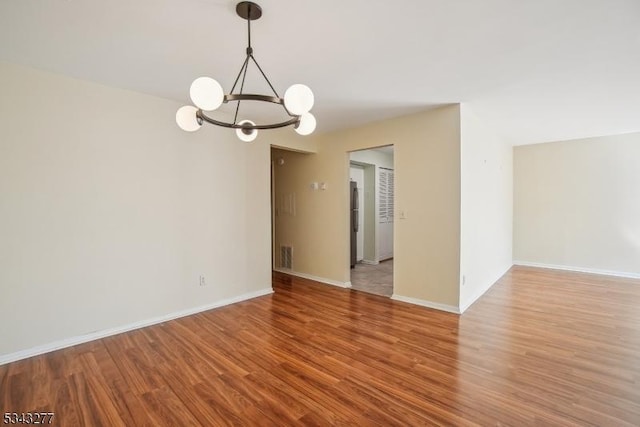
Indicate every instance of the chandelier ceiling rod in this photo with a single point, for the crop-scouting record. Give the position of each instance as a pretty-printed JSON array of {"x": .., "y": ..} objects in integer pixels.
[
  {"x": 207, "y": 95},
  {"x": 250, "y": 11}
]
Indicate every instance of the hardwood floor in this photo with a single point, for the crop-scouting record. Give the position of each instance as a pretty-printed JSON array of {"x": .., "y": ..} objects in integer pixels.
[{"x": 540, "y": 348}]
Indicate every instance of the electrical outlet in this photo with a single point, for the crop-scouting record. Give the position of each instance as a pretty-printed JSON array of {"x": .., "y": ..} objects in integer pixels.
[{"x": 202, "y": 281}]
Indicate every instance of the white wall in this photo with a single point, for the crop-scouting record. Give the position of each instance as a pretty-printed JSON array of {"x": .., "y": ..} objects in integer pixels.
[
  {"x": 109, "y": 213},
  {"x": 372, "y": 157},
  {"x": 370, "y": 223},
  {"x": 577, "y": 204},
  {"x": 486, "y": 207}
]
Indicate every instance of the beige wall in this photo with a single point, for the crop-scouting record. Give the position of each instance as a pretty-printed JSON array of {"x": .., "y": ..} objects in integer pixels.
[
  {"x": 486, "y": 207},
  {"x": 577, "y": 204},
  {"x": 294, "y": 202},
  {"x": 288, "y": 139},
  {"x": 109, "y": 213},
  {"x": 427, "y": 179}
]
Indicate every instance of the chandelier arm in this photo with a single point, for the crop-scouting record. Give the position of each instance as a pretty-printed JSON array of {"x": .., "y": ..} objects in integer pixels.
[
  {"x": 202, "y": 117},
  {"x": 244, "y": 76},
  {"x": 264, "y": 75},
  {"x": 245, "y": 64}
]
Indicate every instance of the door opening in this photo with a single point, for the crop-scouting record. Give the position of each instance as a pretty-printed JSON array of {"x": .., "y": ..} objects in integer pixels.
[{"x": 372, "y": 212}]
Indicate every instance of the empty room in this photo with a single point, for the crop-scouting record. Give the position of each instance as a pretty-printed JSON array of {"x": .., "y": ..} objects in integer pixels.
[{"x": 191, "y": 193}]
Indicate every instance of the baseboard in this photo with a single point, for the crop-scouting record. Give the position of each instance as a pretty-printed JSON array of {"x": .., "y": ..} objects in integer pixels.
[
  {"x": 314, "y": 278},
  {"x": 81, "y": 339},
  {"x": 425, "y": 303},
  {"x": 464, "y": 306},
  {"x": 579, "y": 269},
  {"x": 368, "y": 262}
]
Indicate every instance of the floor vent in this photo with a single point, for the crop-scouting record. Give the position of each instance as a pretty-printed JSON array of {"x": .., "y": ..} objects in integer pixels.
[{"x": 285, "y": 256}]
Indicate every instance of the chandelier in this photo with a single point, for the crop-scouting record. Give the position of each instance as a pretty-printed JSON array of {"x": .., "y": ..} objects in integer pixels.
[{"x": 207, "y": 95}]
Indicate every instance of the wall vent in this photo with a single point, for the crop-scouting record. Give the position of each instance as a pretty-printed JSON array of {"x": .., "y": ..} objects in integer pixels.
[{"x": 286, "y": 257}]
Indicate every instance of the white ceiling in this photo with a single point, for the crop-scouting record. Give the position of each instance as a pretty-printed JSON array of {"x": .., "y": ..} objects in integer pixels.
[{"x": 537, "y": 70}]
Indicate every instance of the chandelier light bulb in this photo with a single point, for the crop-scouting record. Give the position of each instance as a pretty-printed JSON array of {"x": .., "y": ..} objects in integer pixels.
[
  {"x": 206, "y": 93},
  {"x": 247, "y": 135},
  {"x": 307, "y": 124},
  {"x": 186, "y": 118},
  {"x": 298, "y": 99}
]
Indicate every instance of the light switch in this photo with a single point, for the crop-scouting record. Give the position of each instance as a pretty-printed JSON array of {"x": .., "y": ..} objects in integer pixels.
[{"x": 323, "y": 185}]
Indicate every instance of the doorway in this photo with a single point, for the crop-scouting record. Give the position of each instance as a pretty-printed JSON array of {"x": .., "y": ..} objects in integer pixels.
[{"x": 372, "y": 207}]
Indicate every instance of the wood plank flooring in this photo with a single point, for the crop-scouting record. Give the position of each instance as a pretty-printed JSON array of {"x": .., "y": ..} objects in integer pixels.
[{"x": 541, "y": 347}]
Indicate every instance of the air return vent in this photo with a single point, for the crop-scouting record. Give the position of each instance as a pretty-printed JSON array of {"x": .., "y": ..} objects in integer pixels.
[{"x": 286, "y": 256}]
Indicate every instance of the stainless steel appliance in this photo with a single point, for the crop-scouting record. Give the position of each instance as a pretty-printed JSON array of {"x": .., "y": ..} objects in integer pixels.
[{"x": 353, "y": 207}]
